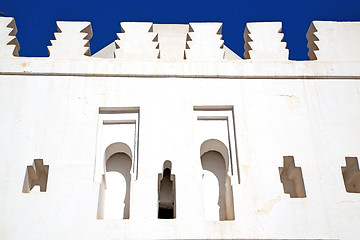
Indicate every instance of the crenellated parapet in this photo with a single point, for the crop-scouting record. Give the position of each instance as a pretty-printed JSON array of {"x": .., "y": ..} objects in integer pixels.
[
  {"x": 334, "y": 41},
  {"x": 71, "y": 40},
  {"x": 204, "y": 42},
  {"x": 9, "y": 45},
  {"x": 263, "y": 42},
  {"x": 137, "y": 42},
  {"x": 143, "y": 41}
]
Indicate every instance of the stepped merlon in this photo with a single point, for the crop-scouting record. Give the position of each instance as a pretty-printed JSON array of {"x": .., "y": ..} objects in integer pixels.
[
  {"x": 71, "y": 40},
  {"x": 137, "y": 41},
  {"x": 334, "y": 41},
  {"x": 263, "y": 42},
  {"x": 9, "y": 45}
]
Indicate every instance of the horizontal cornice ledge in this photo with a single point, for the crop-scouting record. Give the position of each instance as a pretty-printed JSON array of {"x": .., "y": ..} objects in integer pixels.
[{"x": 95, "y": 67}]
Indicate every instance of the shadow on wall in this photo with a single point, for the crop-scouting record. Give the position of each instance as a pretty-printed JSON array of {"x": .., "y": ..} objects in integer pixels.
[
  {"x": 114, "y": 196},
  {"x": 218, "y": 196}
]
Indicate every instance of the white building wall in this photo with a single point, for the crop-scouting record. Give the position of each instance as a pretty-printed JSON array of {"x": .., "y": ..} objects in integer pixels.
[{"x": 308, "y": 110}]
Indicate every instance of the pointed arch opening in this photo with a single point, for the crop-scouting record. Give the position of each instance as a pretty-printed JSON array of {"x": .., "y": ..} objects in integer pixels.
[
  {"x": 114, "y": 196},
  {"x": 217, "y": 189}
]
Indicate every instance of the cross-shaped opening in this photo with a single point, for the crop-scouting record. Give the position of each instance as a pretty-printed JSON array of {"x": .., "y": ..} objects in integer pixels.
[
  {"x": 36, "y": 175},
  {"x": 292, "y": 179},
  {"x": 351, "y": 175}
]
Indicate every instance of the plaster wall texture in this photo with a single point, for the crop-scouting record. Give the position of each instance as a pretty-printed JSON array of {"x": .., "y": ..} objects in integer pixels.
[{"x": 68, "y": 111}]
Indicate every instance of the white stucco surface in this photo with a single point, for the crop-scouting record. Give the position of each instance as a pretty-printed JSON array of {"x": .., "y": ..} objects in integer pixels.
[{"x": 68, "y": 111}]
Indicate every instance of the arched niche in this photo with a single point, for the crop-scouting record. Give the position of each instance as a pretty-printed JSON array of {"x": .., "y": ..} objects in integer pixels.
[
  {"x": 218, "y": 146},
  {"x": 166, "y": 193},
  {"x": 217, "y": 189},
  {"x": 114, "y": 196},
  {"x": 118, "y": 147}
]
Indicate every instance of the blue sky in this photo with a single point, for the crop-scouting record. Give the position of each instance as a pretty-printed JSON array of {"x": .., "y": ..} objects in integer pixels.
[{"x": 35, "y": 19}]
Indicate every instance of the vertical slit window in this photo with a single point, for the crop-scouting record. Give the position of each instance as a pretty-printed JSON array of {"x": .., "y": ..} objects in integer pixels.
[{"x": 166, "y": 193}]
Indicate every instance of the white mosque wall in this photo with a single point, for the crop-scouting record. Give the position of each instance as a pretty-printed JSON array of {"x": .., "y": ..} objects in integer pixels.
[
  {"x": 56, "y": 118},
  {"x": 97, "y": 122}
]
